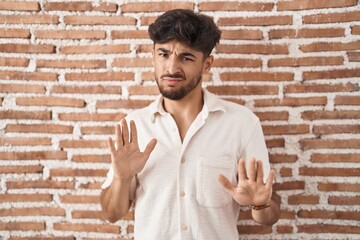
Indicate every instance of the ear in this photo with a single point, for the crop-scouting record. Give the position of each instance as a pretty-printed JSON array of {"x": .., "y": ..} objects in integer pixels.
[{"x": 208, "y": 63}]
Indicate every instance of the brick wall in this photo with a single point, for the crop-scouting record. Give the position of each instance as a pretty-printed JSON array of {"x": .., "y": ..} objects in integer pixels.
[{"x": 70, "y": 70}]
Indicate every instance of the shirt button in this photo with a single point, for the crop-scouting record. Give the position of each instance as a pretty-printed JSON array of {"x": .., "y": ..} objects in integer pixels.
[
  {"x": 184, "y": 228},
  {"x": 182, "y": 194}
]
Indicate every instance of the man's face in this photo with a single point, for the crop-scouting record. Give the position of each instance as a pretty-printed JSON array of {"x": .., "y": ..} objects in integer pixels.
[{"x": 178, "y": 69}]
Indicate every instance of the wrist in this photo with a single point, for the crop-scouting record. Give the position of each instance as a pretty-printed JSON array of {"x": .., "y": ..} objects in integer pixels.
[{"x": 260, "y": 207}]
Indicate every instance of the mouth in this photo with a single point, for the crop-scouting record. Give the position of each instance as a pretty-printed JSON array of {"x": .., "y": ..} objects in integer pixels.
[{"x": 172, "y": 81}]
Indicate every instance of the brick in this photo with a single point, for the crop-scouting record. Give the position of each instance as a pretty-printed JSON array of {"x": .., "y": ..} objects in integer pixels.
[
  {"x": 241, "y": 34},
  {"x": 273, "y": 116},
  {"x": 318, "y": 115},
  {"x": 324, "y": 171},
  {"x": 42, "y": 237},
  {"x": 70, "y": 34},
  {"x": 129, "y": 104},
  {"x": 347, "y": 16},
  {"x": 303, "y": 199},
  {"x": 329, "y": 46},
  {"x": 309, "y": 4},
  {"x": 80, "y": 199},
  {"x": 329, "y": 143},
  {"x": 100, "y": 76},
  {"x": 80, "y": 6},
  {"x": 36, "y": 115},
  {"x": 83, "y": 144},
  {"x": 235, "y": 6},
  {"x": 291, "y": 102},
  {"x": 275, "y": 143},
  {"x": 144, "y": 90},
  {"x": 83, "y": 64},
  {"x": 21, "y": 170},
  {"x": 31, "y": 76},
  {"x": 92, "y": 158},
  {"x": 243, "y": 90},
  {"x": 305, "y": 61},
  {"x": 67, "y": 172},
  {"x": 22, "y": 226},
  {"x": 19, "y": 6},
  {"x": 86, "y": 227},
  {"x": 86, "y": 214},
  {"x": 293, "y": 185},
  {"x": 29, "y": 19},
  {"x": 323, "y": 214},
  {"x": 129, "y": 34},
  {"x": 144, "y": 48},
  {"x": 339, "y": 187},
  {"x": 282, "y": 158},
  {"x": 257, "y": 76},
  {"x": 344, "y": 200},
  {"x": 336, "y": 129},
  {"x": 39, "y": 128},
  {"x": 14, "y": 62},
  {"x": 132, "y": 62},
  {"x": 286, "y": 129},
  {"x": 235, "y": 100},
  {"x": 93, "y": 89},
  {"x": 326, "y": 88},
  {"x": 33, "y": 211},
  {"x": 331, "y": 74},
  {"x": 97, "y": 130},
  {"x": 22, "y": 88},
  {"x": 254, "y": 229},
  {"x": 50, "y": 102},
  {"x": 328, "y": 228},
  {"x": 26, "y": 197},
  {"x": 93, "y": 117},
  {"x": 327, "y": 158},
  {"x": 284, "y": 229},
  {"x": 155, "y": 6},
  {"x": 285, "y": 172},
  {"x": 355, "y": 30},
  {"x": 99, "y": 20},
  {"x": 347, "y": 100},
  {"x": 264, "y": 49},
  {"x": 14, "y": 33},
  {"x": 34, "y": 155},
  {"x": 95, "y": 185},
  {"x": 38, "y": 184},
  {"x": 94, "y": 49},
  {"x": 256, "y": 21},
  {"x": 27, "y": 48},
  {"x": 354, "y": 56}
]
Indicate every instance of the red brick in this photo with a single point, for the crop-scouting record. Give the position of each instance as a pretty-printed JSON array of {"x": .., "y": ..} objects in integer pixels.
[
  {"x": 257, "y": 76},
  {"x": 339, "y": 187},
  {"x": 329, "y": 143},
  {"x": 92, "y": 158},
  {"x": 328, "y": 228},
  {"x": 67, "y": 172},
  {"x": 132, "y": 62},
  {"x": 309, "y": 4},
  {"x": 32, "y": 76},
  {"x": 292, "y": 102},
  {"x": 272, "y": 116},
  {"x": 331, "y": 74},
  {"x": 155, "y": 6},
  {"x": 90, "y": 49},
  {"x": 347, "y": 100},
  {"x": 22, "y": 88},
  {"x": 70, "y": 34},
  {"x": 355, "y": 30},
  {"x": 284, "y": 229},
  {"x": 42, "y": 237},
  {"x": 39, "y": 128},
  {"x": 38, "y": 115},
  {"x": 33, "y": 211},
  {"x": 34, "y": 155},
  {"x": 95, "y": 185},
  {"x": 97, "y": 130},
  {"x": 275, "y": 143},
  {"x": 317, "y": 115},
  {"x": 236, "y": 100},
  {"x": 235, "y": 6},
  {"x": 132, "y": 34},
  {"x": 256, "y": 21},
  {"x": 329, "y": 214},
  {"x": 80, "y": 199},
  {"x": 85, "y": 227},
  {"x": 326, "y": 88},
  {"x": 254, "y": 229},
  {"x": 243, "y": 90},
  {"x": 83, "y": 144},
  {"x": 21, "y": 170},
  {"x": 29, "y": 19},
  {"x": 22, "y": 226},
  {"x": 96, "y": 117},
  {"x": 327, "y": 158},
  {"x": 14, "y": 62},
  {"x": 26, "y": 197},
  {"x": 86, "y": 214},
  {"x": 347, "y": 16},
  {"x": 19, "y": 6},
  {"x": 99, "y": 20},
  {"x": 80, "y": 6},
  {"x": 50, "y": 101},
  {"x": 144, "y": 48},
  {"x": 282, "y": 158},
  {"x": 130, "y": 104},
  {"x": 242, "y": 34},
  {"x": 303, "y": 199},
  {"x": 343, "y": 200},
  {"x": 40, "y": 184},
  {"x": 336, "y": 129},
  {"x": 354, "y": 56},
  {"x": 265, "y": 49},
  {"x": 144, "y": 90},
  {"x": 103, "y": 76},
  {"x": 83, "y": 64},
  {"x": 285, "y": 172},
  {"x": 93, "y": 89},
  {"x": 27, "y": 48},
  {"x": 14, "y": 33},
  {"x": 305, "y": 61},
  {"x": 294, "y": 185},
  {"x": 324, "y": 171},
  {"x": 286, "y": 129},
  {"x": 329, "y": 46}
]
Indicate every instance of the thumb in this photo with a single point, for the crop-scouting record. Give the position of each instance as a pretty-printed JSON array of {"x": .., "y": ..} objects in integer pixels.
[
  {"x": 226, "y": 184},
  {"x": 150, "y": 147}
]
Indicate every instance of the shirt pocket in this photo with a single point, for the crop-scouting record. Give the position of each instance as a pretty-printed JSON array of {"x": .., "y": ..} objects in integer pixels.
[{"x": 209, "y": 192}]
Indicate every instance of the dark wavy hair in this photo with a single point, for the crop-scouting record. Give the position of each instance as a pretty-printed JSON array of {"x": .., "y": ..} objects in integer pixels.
[{"x": 198, "y": 31}]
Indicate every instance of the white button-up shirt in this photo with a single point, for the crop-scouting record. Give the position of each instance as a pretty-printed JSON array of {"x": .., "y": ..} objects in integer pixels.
[{"x": 177, "y": 194}]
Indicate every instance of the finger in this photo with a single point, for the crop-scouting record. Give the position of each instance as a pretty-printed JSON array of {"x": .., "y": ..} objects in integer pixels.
[
  {"x": 149, "y": 148},
  {"x": 119, "y": 140},
  {"x": 271, "y": 179},
  {"x": 133, "y": 132},
  {"x": 125, "y": 131},
  {"x": 251, "y": 170},
  {"x": 260, "y": 172},
  {"x": 111, "y": 146},
  {"x": 226, "y": 184},
  {"x": 242, "y": 170}
]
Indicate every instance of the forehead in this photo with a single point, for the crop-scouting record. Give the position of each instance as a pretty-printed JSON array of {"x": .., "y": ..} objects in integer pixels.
[{"x": 176, "y": 47}]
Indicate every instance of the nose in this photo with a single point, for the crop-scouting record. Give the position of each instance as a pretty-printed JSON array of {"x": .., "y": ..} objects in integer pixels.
[{"x": 173, "y": 65}]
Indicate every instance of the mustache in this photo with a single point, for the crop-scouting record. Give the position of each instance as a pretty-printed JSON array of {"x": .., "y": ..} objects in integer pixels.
[{"x": 176, "y": 75}]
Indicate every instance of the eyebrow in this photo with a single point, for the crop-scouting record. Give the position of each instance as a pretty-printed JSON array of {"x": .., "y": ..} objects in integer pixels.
[{"x": 184, "y": 54}]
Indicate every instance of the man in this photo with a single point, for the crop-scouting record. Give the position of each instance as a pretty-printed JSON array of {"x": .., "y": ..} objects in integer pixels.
[{"x": 197, "y": 158}]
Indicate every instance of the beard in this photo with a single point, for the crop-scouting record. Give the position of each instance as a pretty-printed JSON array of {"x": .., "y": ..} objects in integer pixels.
[{"x": 178, "y": 93}]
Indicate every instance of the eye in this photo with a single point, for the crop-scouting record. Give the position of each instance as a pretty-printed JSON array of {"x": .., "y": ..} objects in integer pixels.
[
  {"x": 162, "y": 54},
  {"x": 187, "y": 59}
]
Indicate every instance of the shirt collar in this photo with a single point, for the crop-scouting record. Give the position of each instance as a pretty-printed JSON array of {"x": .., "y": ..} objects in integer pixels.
[{"x": 212, "y": 103}]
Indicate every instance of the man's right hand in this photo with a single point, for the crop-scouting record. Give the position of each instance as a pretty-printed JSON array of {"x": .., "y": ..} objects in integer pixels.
[{"x": 126, "y": 158}]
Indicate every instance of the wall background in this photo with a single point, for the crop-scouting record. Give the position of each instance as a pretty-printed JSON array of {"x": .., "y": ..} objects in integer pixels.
[{"x": 70, "y": 70}]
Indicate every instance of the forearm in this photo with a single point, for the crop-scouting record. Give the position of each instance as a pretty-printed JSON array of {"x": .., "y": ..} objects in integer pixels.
[
  {"x": 115, "y": 200},
  {"x": 269, "y": 215}
]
